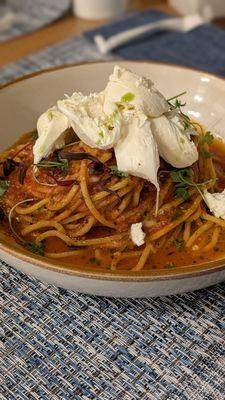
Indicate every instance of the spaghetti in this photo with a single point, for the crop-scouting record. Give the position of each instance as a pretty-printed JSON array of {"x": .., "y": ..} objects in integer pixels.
[{"x": 82, "y": 214}]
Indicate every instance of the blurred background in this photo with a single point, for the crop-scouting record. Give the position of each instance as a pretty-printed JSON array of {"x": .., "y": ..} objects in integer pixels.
[{"x": 27, "y": 26}]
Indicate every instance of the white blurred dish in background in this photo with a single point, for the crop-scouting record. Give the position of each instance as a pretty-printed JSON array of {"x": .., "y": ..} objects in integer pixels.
[
  {"x": 99, "y": 9},
  {"x": 206, "y": 8}
]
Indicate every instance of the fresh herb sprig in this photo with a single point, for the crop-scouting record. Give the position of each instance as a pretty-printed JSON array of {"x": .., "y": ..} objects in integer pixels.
[
  {"x": 183, "y": 179},
  {"x": 177, "y": 106}
]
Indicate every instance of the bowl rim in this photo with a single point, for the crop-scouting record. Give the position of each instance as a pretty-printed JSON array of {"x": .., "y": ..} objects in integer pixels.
[{"x": 122, "y": 276}]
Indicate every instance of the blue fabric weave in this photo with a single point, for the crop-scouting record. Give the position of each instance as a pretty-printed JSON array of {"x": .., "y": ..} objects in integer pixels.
[{"x": 203, "y": 47}]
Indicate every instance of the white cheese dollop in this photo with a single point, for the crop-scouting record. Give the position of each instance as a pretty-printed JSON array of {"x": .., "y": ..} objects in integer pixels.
[
  {"x": 136, "y": 152},
  {"x": 175, "y": 147},
  {"x": 216, "y": 203},
  {"x": 137, "y": 234},
  {"x": 127, "y": 116},
  {"x": 88, "y": 120},
  {"x": 51, "y": 127},
  {"x": 126, "y": 87}
]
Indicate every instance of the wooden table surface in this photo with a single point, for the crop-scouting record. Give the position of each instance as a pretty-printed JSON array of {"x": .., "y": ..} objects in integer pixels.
[{"x": 67, "y": 27}]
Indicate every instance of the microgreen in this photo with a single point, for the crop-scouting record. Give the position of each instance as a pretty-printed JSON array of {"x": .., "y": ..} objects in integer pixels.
[
  {"x": 177, "y": 106},
  {"x": 36, "y": 248},
  {"x": 183, "y": 179},
  {"x": 4, "y": 185}
]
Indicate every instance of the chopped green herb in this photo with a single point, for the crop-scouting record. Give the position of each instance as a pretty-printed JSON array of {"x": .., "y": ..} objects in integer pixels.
[
  {"x": 116, "y": 172},
  {"x": 4, "y": 185},
  {"x": 36, "y": 248},
  {"x": 50, "y": 115},
  {"x": 101, "y": 135},
  {"x": 127, "y": 97},
  {"x": 179, "y": 243},
  {"x": 170, "y": 265}
]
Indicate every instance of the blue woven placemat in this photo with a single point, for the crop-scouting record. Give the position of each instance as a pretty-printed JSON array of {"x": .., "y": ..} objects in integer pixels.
[
  {"x": 56, "y": 344},
  {"x": 25, "y": 16}
]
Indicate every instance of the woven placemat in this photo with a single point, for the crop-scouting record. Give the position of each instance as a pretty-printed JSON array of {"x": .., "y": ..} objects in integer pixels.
[
  {"x": 18, "y": 17},
  {"x": 57, "y": 344},
  {"x": 67, "y": 52}
]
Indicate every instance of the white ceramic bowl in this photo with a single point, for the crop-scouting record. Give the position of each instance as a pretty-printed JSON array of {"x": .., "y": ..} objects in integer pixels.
[{"x": 22, "y": 101}]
